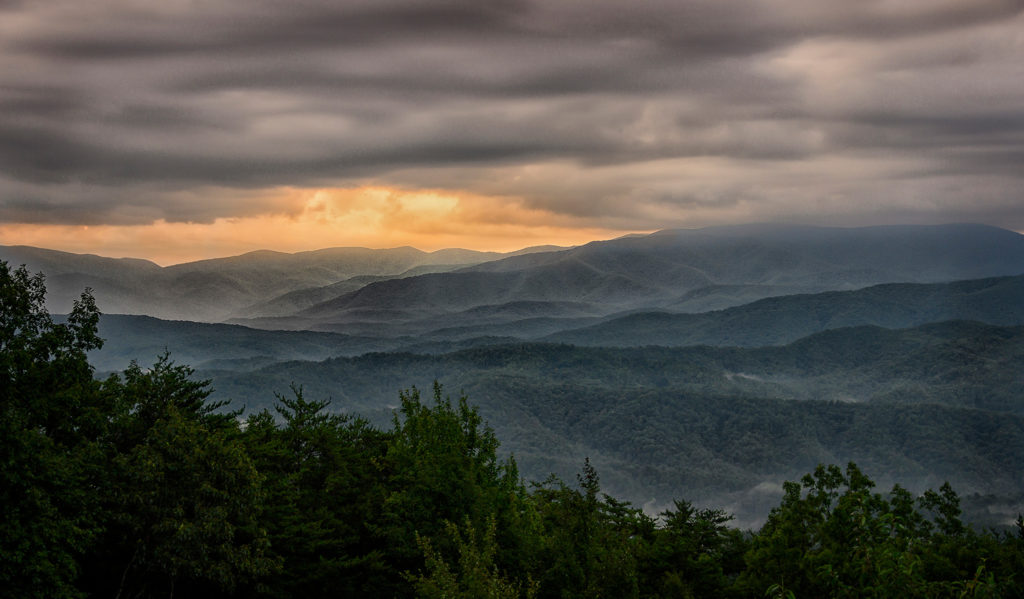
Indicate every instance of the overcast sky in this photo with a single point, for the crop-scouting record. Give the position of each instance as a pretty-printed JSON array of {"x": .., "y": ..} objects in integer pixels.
[{"x": 172, "y": 129}]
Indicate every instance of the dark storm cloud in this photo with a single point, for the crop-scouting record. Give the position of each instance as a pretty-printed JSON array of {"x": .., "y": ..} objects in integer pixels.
[
  {"x": 627, "y": 113},
  {"x": 264, "y": 28}
]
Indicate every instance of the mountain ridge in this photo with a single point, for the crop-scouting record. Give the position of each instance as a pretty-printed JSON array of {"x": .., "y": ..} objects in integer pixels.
[
  {"x": 733, "y": 265},
  {"x": 782, "y": 319},
  {"x": 215, "y": 289}
]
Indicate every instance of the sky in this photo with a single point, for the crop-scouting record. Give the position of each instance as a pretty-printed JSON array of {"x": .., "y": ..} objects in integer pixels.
[{"x": 184, "y": 129}]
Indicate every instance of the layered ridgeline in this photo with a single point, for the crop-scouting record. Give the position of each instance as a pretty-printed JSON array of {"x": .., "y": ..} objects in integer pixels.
[
  {"x": 771, "y": 321},
  {"x": 721, "y": 425},
  {"x": 778, "y": 320},
  {"x": 139, "y": 486},
  {"x": 259, "y": 283},
  {"x": 678, "y": 271},
  {"x": 687, "y": 271},
  {"x": 840, "y": 363}
]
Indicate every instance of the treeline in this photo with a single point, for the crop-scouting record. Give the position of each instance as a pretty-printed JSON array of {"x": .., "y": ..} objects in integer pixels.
[
  {"x": 139, "y": 486},
  {"x": 956, "y": 363},
  {"x": 711, "y": 424}
]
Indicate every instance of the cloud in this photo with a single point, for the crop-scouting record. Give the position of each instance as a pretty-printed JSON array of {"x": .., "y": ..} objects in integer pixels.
[
  {"x": 638, "y": 117},
  {"x": 329, "y": 217}
]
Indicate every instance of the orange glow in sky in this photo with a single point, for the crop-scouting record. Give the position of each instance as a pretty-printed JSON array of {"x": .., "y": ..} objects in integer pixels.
[{"x": 310, "y": 219}]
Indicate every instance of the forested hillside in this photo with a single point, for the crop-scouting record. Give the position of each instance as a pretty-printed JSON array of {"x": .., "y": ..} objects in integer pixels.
[
  {"x": 241, "y": 487},
  {"x": 779, "y": 320},
  {"x": 773, "y": 321},
  {"x": 132, "y": 337},
  {"x": 138, "y": 485},
  {"x": 881, "y": 397},
  {"x": 723, "y": 425}
]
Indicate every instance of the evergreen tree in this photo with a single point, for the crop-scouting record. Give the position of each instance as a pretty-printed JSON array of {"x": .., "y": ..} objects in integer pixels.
[
  {"x": 324, "y": 490},
  {"x": 51, "y": 419},
  {"x": 441, "y": 467}
]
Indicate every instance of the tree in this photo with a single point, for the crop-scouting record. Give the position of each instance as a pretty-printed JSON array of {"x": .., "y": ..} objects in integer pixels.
[
  {"x": 188, "y": 512},
  {"x": 323, "y": 494},
  {"x": 831, "y": 536},
  {"x": 474, "y": 574},
  {"x": 693, "y": 550},
  {"x": 591, "y": 542},
  {"x": 143, "y": 397},
  {"x": 441, "y": 466},
  {"x": 182, "y": 499},
  {"x": 51, "y": 417}
]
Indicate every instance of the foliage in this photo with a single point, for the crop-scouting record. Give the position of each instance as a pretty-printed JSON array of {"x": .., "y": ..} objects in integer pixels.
[
  {"x": 832, "y": 536},
  {"x": 917, "y": 406},
  {"x": 323, "y": 491},
  {"x": 51, "y": 420},
  {"x": 141, "y": 486},
  {"x": 474, "y": 574},
  {"x": 189, "y": 509},
  {"x": 695, "y": 553}
]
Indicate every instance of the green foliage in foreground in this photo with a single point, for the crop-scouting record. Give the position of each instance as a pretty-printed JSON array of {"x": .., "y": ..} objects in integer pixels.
[{"x": 138, "y": 486}]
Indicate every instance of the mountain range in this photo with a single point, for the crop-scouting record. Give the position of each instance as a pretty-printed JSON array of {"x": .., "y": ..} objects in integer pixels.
[
  {"x": 709, "y": 364},
  {"x": 217, "y": 289},
  {"x": 403, "y": 290},
  {"x": 922, "y": 405},
  {"x": 770, "y": 321},
  {"x": 677, "y": 271}
]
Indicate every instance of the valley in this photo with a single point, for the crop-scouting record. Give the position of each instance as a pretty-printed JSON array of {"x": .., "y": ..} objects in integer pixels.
[{"x": 710, "y": 364}]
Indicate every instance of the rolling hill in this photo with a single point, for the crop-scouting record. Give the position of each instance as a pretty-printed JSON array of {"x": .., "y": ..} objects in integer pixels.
[
  {"x": 771, "y": 321},
  {"x": 779, "y": 320},
  {"x": 678, "y": 271},
  {"x": 406, "y": 291},
  {"x": 708, "y": 364},
  {"x": 214, "y": 290},
  {"x": 941, "y": 401}
]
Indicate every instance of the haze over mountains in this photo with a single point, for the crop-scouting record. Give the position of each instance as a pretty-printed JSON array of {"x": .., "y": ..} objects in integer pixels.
[
  {"x": 212, "y": 290},
  {"x": 771, "y": 321},
  {"x": 681, "y": 271},
  {"x": 341, "y": 289},
  {"x": 708, "y": 363},
  {"x": 933, "y": 403}
]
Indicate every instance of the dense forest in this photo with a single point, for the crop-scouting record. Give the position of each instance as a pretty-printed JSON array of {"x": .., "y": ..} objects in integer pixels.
[
  {"x": 720, "y": 426},
  {"x": 138, "y": 485}
]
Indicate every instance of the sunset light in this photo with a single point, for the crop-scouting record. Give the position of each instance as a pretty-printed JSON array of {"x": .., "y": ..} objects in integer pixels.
[
  {"x": 517, "y": 299},
  {"x": 373, "y": 217}
]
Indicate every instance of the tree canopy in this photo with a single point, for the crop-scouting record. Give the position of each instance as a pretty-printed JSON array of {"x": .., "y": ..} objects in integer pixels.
[{"x": 139, "y": 486}]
